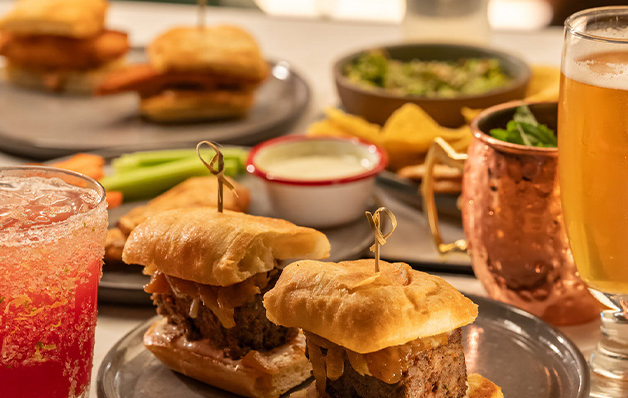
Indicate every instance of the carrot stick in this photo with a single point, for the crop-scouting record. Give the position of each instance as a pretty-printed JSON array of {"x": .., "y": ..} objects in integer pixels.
[
  {"x": 114, "y": 199},
  {"x": 85, "y": 163}
]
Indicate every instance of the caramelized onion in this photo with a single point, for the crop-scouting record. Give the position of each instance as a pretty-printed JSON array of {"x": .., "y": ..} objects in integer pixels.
[
  {"x": 158, "y": 284},
  {"x": 221, "y": 300},
  {"x": 318, "y": 366},
  {"x": 335, "y": 363},
  {"x": 194, "y": 308}
]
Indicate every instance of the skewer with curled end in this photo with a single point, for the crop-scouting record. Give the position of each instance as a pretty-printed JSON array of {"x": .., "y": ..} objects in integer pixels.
[
  {"x": 374, "y": 220},
  {"x": 218, "y": 172},
  {"x": 202, "y": 5}
]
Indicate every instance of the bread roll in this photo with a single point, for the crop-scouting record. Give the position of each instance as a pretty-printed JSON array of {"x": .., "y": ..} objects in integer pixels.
[
  {"x": 220, "y": 249},
  {"x": 221, "y": 50},
  {"x": 70, "y": 18},
  {"x": 176, "y": 106},
  {"x": 352, "y": 306}
]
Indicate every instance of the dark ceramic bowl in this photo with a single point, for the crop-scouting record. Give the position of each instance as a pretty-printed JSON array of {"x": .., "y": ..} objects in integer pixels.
[{"x": 377, "y": 105}]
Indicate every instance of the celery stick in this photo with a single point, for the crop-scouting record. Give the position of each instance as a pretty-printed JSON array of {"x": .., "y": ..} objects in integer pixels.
[
  {"x": 147, "y": 182},
  {"x": 136, "y": 160}
]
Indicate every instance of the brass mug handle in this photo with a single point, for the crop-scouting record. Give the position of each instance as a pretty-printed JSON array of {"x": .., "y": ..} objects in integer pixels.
[{"x": 440, "y": 152}]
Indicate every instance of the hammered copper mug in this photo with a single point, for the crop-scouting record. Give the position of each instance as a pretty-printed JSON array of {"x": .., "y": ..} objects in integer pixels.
[{"x": 512, "y": 219}]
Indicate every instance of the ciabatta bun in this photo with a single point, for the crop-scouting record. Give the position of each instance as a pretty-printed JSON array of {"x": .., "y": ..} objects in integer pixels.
[
  {"x": 259, "y": 375},
  {"x": 220, "y": 249},
  {"x": 352, "y": 306},
  {"x": 222, "y": 50},
  {"x": 176, "y": 106}
]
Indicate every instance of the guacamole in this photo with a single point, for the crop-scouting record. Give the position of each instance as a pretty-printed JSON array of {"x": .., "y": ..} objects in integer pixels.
[{"x": 432, "y": 79}]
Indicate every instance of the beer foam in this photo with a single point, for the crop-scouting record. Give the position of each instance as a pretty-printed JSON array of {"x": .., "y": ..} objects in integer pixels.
[{"x": 606, "y": 69}]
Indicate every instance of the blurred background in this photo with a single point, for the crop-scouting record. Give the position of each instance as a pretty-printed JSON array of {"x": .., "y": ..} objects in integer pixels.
[{"x": 502, "y": 14}]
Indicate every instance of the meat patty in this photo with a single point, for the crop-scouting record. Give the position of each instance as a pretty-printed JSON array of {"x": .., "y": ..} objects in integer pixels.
[
  {"x": 436, "y": 373},
  {"x": 56, "y": 52},
  {"x": 253, "y": 331},
  {"x": 148, "y": 81}
]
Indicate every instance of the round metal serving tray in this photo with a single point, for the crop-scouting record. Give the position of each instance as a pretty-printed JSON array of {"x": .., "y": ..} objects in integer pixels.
[{"x": 514, "y": 349}]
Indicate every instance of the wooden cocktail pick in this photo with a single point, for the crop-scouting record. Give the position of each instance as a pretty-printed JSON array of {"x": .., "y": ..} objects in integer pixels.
[
  {"x": 375, "y": 223},
  {"x": 202, "y": 5},
  {"x": 218, "y": 172}
]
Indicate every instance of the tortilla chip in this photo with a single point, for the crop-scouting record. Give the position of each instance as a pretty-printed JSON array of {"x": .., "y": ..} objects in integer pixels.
[
  {"x": 409, "y": 133},
  {"x": 354, "y": 125}
]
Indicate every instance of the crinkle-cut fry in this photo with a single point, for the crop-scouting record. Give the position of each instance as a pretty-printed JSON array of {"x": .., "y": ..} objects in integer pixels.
[
  {"x": 441, "y": 172},
  {"x": 448, "y": 186}
]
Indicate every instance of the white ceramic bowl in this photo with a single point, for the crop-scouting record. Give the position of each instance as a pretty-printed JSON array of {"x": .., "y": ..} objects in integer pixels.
[{"x": 324, "y": 200}]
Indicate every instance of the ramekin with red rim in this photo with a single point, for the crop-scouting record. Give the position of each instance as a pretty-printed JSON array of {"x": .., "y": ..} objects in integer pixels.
[{"x": 317, "y": 182}]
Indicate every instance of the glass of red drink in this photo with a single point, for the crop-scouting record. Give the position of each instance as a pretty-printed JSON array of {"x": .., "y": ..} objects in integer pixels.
[{"x": 52, "y": 229}]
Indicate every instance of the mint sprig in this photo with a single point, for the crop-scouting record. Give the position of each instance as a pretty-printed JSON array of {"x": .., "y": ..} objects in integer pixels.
[{"x": 525, "y": 130}]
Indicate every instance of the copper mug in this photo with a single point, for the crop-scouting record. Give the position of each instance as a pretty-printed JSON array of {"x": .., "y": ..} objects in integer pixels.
[{"x": 512, "y": 219}]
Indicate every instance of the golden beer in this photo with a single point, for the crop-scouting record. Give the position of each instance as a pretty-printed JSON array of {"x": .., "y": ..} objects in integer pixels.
[{"x": 593, "y": 167}]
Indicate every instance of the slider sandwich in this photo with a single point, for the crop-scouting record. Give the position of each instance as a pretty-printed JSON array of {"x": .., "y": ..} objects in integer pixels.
[
  {"x": 60, "y": 45},
  {"x": 194, "y": 74},
  {"x": 209, "y": 272},
  {"x": 394, "y": 333}
]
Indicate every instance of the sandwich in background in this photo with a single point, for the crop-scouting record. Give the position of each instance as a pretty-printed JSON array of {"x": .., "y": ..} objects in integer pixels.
[
  {"x": 193, "y": 192},
  {"x": 194, "y": 74},
  {"x": 393, "y": 333},
  {"x": 60, "y": 45},
  {"x": 209, "y": 271}
]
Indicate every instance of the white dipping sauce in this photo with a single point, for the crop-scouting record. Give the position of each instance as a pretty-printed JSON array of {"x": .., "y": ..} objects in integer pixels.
[{"x": 317, "y": 167}]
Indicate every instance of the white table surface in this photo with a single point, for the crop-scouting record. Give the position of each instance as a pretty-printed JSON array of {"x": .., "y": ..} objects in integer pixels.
[{"x": 311, "y": 47}]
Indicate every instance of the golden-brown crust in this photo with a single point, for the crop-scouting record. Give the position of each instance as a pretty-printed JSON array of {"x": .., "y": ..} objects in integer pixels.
[
  {"x": 55, "y": 52},
  {"x": 221, "y": 50},
  {"x": 262, "y": 375},
  {"x": 70, "y": 18},
  {"x": 204, "y": 246},
  {"x": 174, "y": 106},
  {"x": 193, "y": 192},
  {"x": 350, "y": 305}
]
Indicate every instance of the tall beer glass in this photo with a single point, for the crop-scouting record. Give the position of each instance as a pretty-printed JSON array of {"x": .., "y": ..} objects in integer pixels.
[{"x": 593, "y": 169}]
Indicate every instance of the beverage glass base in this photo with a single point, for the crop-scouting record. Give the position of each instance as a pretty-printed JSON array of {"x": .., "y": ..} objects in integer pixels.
[{"x": 609, "y": 362}]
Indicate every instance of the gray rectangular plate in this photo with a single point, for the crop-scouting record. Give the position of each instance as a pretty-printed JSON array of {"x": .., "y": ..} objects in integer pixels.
[{"x": 42, "y": 125}]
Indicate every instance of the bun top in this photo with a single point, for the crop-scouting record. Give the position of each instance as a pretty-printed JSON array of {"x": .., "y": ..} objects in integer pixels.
[
  {"x": 352, "y": 306},
  {"x": 221, "y": 249},
  {"x": 69, "y": 18},
  {"x": 222, "y": 50}
]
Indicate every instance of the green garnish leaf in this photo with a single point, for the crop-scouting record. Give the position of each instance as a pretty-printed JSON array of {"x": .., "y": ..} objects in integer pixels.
[{"x": 525, "y": 130}]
